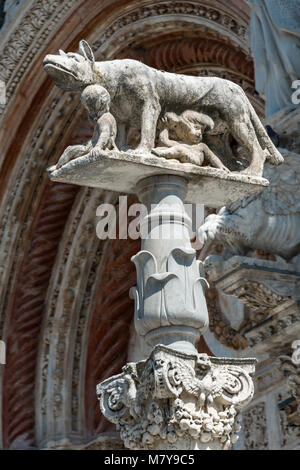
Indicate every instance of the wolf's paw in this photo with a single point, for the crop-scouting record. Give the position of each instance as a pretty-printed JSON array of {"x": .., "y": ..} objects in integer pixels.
[
  {"x": 208, "y": 230},
  {"x": 141, "y": 150}
]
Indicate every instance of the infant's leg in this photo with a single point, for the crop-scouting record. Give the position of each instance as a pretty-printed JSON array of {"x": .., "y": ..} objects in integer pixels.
[
  {"x": 169, "y": 152},
  {"x": 183, "y": 153}
]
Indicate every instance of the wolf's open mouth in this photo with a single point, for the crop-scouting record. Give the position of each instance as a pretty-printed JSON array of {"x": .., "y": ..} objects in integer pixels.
[{"x": 48, "y": 65}]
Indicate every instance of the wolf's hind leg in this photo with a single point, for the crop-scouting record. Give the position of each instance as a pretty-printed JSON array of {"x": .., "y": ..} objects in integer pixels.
[
  {"x": 243, "y": 131},
  {"x": 150, "y": 113},
  {"x": 212, "y": 158}
]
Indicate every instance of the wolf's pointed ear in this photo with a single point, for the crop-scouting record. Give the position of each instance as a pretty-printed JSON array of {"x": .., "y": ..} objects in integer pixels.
[{"x": 86, "y": 51}]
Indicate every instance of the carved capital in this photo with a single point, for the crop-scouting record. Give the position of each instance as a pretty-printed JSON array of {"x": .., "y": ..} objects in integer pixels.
[{"x": 176, "y": 400}]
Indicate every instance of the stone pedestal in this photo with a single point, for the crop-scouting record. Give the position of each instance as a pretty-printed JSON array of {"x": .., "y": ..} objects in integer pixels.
[{"x": 176, "y": 398}]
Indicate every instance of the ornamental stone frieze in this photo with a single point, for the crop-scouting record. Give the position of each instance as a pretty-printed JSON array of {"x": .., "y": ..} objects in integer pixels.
[
  {"x": 271, "y": 291},
  {"x": 178, "y": 401},
  {"x": 255, "y": 427},
  {"x": 289, "y": 430}
]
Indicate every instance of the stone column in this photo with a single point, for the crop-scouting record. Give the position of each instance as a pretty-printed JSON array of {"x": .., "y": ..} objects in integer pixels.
[
  {"x": 170, "y": 306},
  {"x": 177, "y": 398}
]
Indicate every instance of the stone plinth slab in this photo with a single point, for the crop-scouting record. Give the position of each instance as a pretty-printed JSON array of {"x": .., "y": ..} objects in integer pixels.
[{"x": 121, "y": 171}]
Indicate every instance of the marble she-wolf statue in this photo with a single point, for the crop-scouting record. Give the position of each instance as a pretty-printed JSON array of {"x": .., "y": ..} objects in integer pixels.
[{"x": 140, "y": 95}]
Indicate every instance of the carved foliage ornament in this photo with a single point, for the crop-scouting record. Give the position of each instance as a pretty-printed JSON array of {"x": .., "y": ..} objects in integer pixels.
[
  {"x": 173, "y": 395},
  {"x": 155, "y": 301}
]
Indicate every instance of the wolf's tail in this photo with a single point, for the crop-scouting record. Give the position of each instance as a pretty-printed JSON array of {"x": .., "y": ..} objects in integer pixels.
[{"x": 273, "y": 155}]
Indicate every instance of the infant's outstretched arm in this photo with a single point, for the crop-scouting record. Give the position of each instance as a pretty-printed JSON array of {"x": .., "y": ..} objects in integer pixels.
[{"x": 164, "y": 138}]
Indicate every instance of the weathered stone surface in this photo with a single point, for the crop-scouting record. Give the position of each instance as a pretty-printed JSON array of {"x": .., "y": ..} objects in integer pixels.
[
  {"x": 270, "y": 289},
  {"x": 277, "y": 276},
  {"x": 139, "y": 94},
  {"x": 268, "y": 221},
  {"x": 120, "y": 171},
  {"x": 287, "y": 126},
  {"x": 178, "y": 401},
  {"x": 170, "y": 306},
  {"x": 97, "y": 102},
  {"x": 169, "y": 298},
  {"x": 188, "y": 129},
  {"x": 291, "y": 366},
  {"x": 219, "y": 38},
  {"x": 276, "y": 25},
  {"x": 105, "y": 441}
]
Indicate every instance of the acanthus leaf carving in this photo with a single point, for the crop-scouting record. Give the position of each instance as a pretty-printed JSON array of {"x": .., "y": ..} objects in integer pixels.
[
  {"x": 173, "y": 396},
  {"x": 170, "y": 297}
]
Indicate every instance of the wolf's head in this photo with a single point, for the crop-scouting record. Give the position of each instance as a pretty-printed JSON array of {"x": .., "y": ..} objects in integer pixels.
[{"x": 72, "y": 71}]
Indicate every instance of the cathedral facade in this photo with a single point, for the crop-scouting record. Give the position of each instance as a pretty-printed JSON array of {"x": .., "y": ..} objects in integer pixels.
[{"x": 66, "y": 318}]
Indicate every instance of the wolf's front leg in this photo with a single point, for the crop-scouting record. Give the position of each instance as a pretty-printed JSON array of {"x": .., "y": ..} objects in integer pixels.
[
  {"x": 121, "y": 140},
  {"x": 150, "y": 113}
]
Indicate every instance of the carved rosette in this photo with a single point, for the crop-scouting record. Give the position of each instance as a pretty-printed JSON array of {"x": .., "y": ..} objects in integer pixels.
[{"x": 175, "y": 400}]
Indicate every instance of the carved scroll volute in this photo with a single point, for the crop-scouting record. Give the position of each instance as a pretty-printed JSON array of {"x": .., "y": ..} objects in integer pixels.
[
  {"x": 173, "y": 396},
  {"x": 118, "y": 394},
  {"x": 237, "y": 388},
  {"x": 173, "y": 297},
  {"x": 167, "y": 377},
  {"x": 112, "y": 394}
]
